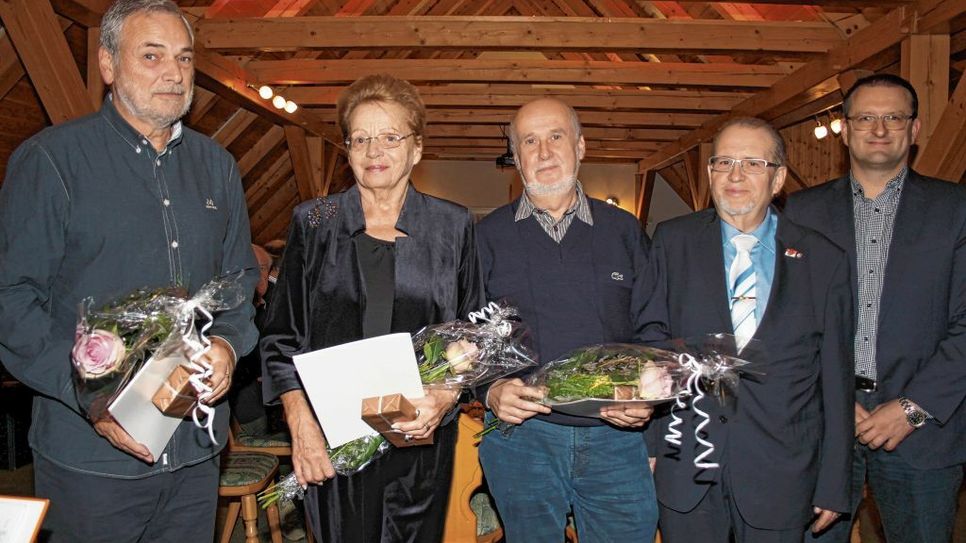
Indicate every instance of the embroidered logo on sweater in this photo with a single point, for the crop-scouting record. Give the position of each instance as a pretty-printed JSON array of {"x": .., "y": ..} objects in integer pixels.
[
  {"x": 616, "y": 276},
  {"x": 210, "y": 204}
]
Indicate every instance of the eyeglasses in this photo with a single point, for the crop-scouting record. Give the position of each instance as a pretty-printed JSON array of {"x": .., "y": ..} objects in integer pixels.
[
  {"x": 750, "y": 166},
  {"x": 386, "y": 141},
  {"x": 869, "y": 122}
]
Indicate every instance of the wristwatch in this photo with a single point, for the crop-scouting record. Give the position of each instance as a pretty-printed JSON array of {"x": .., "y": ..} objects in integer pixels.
[{"x": 915, "y": 416}]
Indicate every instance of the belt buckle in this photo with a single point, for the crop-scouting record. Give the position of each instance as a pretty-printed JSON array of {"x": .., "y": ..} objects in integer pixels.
[{"x": 865, "y": 385}]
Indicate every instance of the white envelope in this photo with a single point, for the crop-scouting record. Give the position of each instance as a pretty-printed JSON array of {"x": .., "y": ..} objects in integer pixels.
[
  {"x": 20, "y": 518},
  {"x": 134, "y": 410},
  {"x": 336, "y": 380}
]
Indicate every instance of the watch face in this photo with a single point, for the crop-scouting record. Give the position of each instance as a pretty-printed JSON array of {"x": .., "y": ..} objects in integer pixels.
[{"x": 917, "y": 418}]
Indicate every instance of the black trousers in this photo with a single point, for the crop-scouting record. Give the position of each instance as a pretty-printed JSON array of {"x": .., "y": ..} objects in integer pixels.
[
  {"x": 716, "y": 519},
  {"x": 176, "y": 507}
]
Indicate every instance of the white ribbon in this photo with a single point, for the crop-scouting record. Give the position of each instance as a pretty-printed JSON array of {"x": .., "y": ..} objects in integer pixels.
[
  {"x": 202, "y": 369},
  {"x": 487, "y": 314},
  {"x": 693, "y": 387}
]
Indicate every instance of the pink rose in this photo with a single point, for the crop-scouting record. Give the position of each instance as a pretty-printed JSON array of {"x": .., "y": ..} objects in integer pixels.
[
  {"x": 461, "y": 355},
  {"x": 97, "y": 353},
  {"x": 656, "y": 382}
]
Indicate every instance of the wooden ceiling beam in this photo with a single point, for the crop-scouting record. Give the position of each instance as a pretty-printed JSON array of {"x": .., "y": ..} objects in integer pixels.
[
  {"x": 298, "y": 150},
  {"x": 595, "y": 133},
  {"x": 266, "y": 143},
  {"x": 517, "y": 95},
  {"x": 644, "y": 196},
  {"x": 483, "y": 33},
  {"x": 36, "y": 34},
  {"x": 925, "y": 64},
  {"x": 201, "y": 104},
  {"x": 229, "y": 131},
  {"x": 943, "y": 157},
  {"x": 302, "y": 72},
  {"x": 884, "y": 33},
  {"x": 587, "y": 118},
  {"x": 11, "y": 70}
]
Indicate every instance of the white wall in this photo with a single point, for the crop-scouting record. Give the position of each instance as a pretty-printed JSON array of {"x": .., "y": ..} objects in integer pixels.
[{"x": 665, "y": 204}]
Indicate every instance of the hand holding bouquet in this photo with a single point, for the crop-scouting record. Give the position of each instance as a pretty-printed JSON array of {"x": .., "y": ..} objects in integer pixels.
[{"x": 454, "y": 355}]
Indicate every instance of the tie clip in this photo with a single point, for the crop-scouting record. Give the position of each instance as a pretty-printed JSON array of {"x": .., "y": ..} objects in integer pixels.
[{"x": 741, "y": 298}]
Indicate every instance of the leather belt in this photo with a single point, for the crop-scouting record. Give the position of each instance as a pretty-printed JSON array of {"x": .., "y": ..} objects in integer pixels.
[{"x": 865, "y": 385}]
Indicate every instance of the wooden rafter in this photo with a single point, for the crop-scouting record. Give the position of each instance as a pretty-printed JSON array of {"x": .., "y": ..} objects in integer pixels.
[
  {"x": 36, "y": 34},
  {"x": 509, "y": 33},
  {"x": 266, "y": 143},
  {"x": 301, "y": 72},
  {"x": 943, "y": 157},
  {"x": 885, "y": 32}
]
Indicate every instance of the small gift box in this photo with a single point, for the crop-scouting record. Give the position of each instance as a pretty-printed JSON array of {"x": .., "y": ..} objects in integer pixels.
[
  {"x": 176, "y": 396},
  {"x": 381, "y": 412}
]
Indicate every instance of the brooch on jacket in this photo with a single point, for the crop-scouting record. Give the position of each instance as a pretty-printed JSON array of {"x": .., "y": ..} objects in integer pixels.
[
  {"x": 793, "y": 253},
  {"x": 324, "y": 208}
]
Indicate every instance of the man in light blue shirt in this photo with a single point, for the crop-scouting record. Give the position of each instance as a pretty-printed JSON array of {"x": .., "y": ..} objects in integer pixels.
[{"x": 762, "y": 257}]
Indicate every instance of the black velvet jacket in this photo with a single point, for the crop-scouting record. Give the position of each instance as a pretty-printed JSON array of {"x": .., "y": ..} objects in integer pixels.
[{"x": 320, "y": 297}]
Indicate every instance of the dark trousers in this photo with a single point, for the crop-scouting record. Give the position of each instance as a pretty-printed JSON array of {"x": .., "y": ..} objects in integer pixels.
[
  {"x": 916, "y": 505},
  {"x": 176, "y": 507},
  {"x": 716, "y": 519}
]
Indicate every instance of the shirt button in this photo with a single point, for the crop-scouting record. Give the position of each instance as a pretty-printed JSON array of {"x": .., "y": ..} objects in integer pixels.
[
  {"x": 158, "y": 162},
  {"x": 166, "y": 202},
  {"x": 137, "y": 150},
  {"x": 174, "y": 244},
  {"x": 723, "y": 419},
  {"x": 871, "y": 271},
  {"x": 876, "y": 210},
  {"x": 868, "y": 305}
]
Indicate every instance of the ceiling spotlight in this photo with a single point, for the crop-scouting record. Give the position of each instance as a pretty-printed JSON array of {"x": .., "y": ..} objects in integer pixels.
[
  {"x": 820, "y": 130},
  {"x": 265, "y": 92},
  {"x": 278, "y": 102},
  {"x": 836, "y": 126},
  {"x": 290, "y": 106}
]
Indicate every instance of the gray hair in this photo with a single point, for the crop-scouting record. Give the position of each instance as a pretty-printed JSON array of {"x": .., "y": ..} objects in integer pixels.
[
  {"x": 113, "y": 21},
  {"x": 574, "y": 121},
  {"x": 779, "y": 155}
]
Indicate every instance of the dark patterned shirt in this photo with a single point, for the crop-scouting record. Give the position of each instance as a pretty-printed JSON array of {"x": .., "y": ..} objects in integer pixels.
[
  {"x": 874, "y": 222},
  {"x": 554, "y": 228}
]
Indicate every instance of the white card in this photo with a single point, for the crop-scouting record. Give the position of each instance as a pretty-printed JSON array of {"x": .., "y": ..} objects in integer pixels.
[
  {"x": 135, "y": 411},
  {"x": 20, "y": 518},
  {"x": 336, "y": 380}
]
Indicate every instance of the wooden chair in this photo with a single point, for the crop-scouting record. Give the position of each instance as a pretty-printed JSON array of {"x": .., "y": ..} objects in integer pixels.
[
  {"x": 467, "y": 478},
  {"x": 277, "y": 444},
  {"x": 243, "y": 476}
]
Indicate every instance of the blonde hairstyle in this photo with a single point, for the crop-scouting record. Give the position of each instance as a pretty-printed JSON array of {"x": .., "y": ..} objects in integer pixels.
[{"x": 382, "y": 88}]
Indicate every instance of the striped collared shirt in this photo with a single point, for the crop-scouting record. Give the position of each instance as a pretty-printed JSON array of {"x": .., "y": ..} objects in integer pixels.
[
  {"x": 554, "y": 228},
  {"x": 874, "y": 224}
]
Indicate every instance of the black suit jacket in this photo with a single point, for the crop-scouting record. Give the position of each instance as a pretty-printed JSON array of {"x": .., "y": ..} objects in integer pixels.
[
  {"x": 786, "y": 440},
  {"x": 921, "y": 344}
]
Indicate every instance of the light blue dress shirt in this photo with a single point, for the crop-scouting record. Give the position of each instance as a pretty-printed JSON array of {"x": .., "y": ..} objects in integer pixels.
[{"x": 762, "y": 258}]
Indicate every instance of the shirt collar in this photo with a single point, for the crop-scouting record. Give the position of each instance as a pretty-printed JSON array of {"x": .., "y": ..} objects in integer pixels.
[
  {"x": 132, "y": 137},
  {"x": 765, "y": 232},
  {"x": 894, "y": 186},
  {"x": 581, "y": 207}
]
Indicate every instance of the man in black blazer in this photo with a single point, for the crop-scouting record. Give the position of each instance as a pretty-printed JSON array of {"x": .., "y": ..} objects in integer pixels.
[
  {"x": 906, "y": 238},
  {"x": 784, "y": 442}
]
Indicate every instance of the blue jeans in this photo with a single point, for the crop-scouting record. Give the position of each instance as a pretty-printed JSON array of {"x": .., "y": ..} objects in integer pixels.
[
  {"x": 542, "y": 471},
  {"x": 916, "y": 505}
]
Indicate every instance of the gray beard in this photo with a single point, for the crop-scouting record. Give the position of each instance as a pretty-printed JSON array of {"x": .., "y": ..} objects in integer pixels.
[
  {"x": 550, "y": 189},
  {"x": 158, "y": 120}
]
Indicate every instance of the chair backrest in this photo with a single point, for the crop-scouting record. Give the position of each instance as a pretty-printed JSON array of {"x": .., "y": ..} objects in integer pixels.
[{"x": 238, "y": 442}]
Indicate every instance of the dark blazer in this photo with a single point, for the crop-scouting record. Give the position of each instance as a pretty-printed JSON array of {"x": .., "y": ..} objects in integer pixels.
[
  {"x": 320, "y": 297},
  {"x": 921, "y": 344},
  {"x": 786, "y": 440}
]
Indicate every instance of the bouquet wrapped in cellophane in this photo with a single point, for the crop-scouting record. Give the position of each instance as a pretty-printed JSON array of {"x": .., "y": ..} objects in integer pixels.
[
  {"x": 453, "y": 355},
  {"x": 114, "y": 342},
  {"x": 616, "y": 374}
]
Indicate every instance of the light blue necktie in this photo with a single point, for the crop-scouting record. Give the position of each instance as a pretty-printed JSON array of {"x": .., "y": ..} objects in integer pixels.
[{"x": 742, "y": 278}]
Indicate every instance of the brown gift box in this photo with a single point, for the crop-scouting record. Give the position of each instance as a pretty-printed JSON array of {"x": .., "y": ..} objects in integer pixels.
[
  {"x": 177, "y": 396},
  {"x": 381, "y": 412}
]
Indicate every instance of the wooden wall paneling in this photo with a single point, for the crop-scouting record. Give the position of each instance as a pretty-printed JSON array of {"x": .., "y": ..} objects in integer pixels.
[
  {"x": 276, "y": 203},
  {"x": 925, "y": 64},
  {"x": 95, "y": 83},
  {"x": 815, "y": 161},
  {"x": 257, "y": 192},
  {"x": 298, "y": 151},
  {"x": 277, "y": 227},
  {"x": 201, "y": 104},
  {"x": 266, "y": 143},
  {"x": 944, "y": 156},
  {"x": 233, "y": 127},
  {"x": 37, "y": 35}
]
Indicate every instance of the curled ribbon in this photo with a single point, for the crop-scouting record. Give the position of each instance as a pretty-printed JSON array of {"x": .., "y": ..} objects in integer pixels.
[
  {"x": 491, "y": 314},
  {"x": 693, "y": 386},
  {"x": 202, "y": 369}
]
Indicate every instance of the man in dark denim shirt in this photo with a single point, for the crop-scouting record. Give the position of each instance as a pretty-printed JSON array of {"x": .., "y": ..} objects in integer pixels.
[{"x": 100, "y": 206}]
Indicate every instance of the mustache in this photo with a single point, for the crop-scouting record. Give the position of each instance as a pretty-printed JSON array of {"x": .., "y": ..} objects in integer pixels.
[{"x": 175, "y": 89}]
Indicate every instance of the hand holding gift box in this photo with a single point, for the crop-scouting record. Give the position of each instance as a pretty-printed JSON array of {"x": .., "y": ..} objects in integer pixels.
[{"x": 125, "y": 352}]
